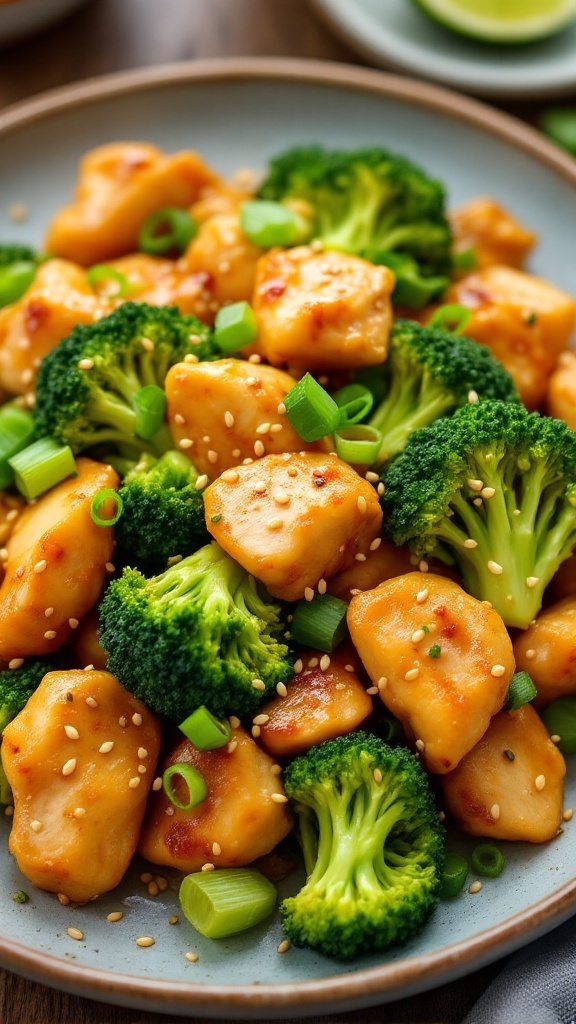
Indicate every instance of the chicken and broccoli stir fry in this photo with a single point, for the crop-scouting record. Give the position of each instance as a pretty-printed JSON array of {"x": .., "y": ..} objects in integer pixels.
[{"x": 287, "y": 513}]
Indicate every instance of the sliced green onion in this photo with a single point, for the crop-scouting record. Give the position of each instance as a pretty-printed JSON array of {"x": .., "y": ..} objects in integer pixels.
[
  {"x": 450, "y": 317},
  {"x": 267, "y": 223},
  {"x": 16, "y": 433},
  {"x": 560, "y": 720},
  {"x": 355, "y": 402},
  {"x": 100, "y": 499},
  {"x": 20, "y": 896},
  {"x": 466, "y": 259},
  {"x": 235, "y": 326},
  {"x": 41, "y": 466},
  {"x": 167, "y": 230},
  {"x": 521, "y": 690},
  {"x": 388, "y": 727},
  {"x": 311, "y": 410},
  {"x": 15, "y": 279},
  {"x": 194, "y": 782},
  {"x": 435, "y": 651},
  {"x": 103, "y": 274},
  {"x": 224, "y": 902},
  {"x": 487, "y": 860},
  {"x": 359, "y": 444},
  {"x": 411, "y": 288},
  {"x": 204, "y": 731},
  {"x": 150, "y": 406},
  {"x": 320, "y": 623},
  {"x": 454, "y": 876},
  {"x": 560, "y": 125}
]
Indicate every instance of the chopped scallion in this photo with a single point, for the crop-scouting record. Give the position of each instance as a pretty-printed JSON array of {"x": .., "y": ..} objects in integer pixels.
[
  {"x": 453, "y": 876},
  {"x": 466, "y": 259},
  {"x": 41, "y": 466},
  {"x": 560, "y": 720},
  {"x": 115, "y": 285},
  {"x": 167, "y": 230},
  {"x": 191, "y": 780},
  {"x": 15, "y": 279},
  {"x": 451, "y": 317},
  {"x": 412, "y": 288},
  {"x": 150, "y": 406},
  {"x": 107, "y": 494},
  {"x": 267, "y": 223},
  {"x": 358, "y": 445},
  {"x": 311, "y": 410},
  {"x": 320, "y": 623},
  {"x": 235, "y": 326},
  {"x": 355, "y": 402},
  {"x": 204, "y": 731},
  {"x": 16, "y": 433},
  {"x": 224, "y": 902},
  {"x": 521, "y": 690},
  {"x": 560, "y": 124},
  {"x": 487, "y": 860}
]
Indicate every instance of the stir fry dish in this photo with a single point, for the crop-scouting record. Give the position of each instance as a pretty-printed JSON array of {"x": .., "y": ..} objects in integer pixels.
[{"x": 287, "y": 521}]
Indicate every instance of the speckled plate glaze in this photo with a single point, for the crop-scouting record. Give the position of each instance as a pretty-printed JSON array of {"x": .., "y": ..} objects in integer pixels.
[
  {"x": 237, "y": 114},
  {"x": 395, "y": 34}
]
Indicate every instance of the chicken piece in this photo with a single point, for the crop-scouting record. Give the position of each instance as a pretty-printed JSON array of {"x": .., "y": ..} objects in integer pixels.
[
  {"x": 564, "y": 582},
  {"x": 561, "y": 397},
  {"x": 446, "y": 658},
  {"x": 222, "y": 251},
  {"x": 525, "y": 321},
  {"x": 510, "y": 785},
  {"x": 321, "y": 703},
  {"x": 493, "y": 233},
  {"x": 240, "y": 814},
  {"x": 56, "y": 564},
  {"x": 162, "y": 282},
  {"x": 75, "y": 772},
  {"x": 58, "y": 299},
  {"x": 222, "y": 407},
  {"x": 322, "y": 310},
  {"x": 292, "y": 520},
  {"x": 86, "y": 646},
  {"x": 120, "y": 185},
  {"x": 547, "y": 651}
]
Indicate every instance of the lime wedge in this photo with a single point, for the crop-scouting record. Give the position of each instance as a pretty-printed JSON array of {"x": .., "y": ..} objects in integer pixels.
[{"x": 501, "y": 21}]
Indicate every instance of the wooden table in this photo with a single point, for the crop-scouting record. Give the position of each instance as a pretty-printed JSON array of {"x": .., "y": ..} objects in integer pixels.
[{"x": 110, "y": 35}]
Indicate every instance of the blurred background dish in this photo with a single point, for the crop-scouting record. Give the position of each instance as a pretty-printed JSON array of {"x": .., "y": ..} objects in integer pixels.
[
  {"x": 21, "y": 18},
  {"x": 394, "y": 33}
]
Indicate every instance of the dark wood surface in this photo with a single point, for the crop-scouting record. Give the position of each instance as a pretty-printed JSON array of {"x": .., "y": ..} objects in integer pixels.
[{"x": 111, "y": 35}]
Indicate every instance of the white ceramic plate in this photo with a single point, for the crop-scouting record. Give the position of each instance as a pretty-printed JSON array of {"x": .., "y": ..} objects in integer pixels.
[
  {"x": 395, "y": 34},
  {"x": 237, "y": 114}
]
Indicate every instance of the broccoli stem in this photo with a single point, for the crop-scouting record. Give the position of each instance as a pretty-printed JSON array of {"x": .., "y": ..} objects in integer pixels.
[
  {"x": 118, "y": 420},
  {"x": 413, "y": 401}
]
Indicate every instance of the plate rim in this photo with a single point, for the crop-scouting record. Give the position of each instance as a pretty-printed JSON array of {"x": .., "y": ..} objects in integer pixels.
[
  {"x": 338, "y": 22},
  {"x": 369, "y": 985}
]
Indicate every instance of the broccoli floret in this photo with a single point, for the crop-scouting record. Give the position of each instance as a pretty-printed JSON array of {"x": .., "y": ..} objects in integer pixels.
[
  {"x": 17, "y": 271},
  {"x": 492, "y": 489},
  {"x": 365, "y": 201},
  {"x": 89, "y": 406},
  {"x": 372, "y": 843},
  {"x": 429, "y": 372},
  {"x": 11, "y": 252},
  {"x": 163, "y": 513},
  {"x": 16, "y": 687},
  {"x": 200, "y": 633}
]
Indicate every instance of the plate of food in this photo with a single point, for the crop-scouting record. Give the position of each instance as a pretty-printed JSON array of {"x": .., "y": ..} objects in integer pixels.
[
  {"x": 284, "y": 720},
  {"x": 397, "y": 34}
]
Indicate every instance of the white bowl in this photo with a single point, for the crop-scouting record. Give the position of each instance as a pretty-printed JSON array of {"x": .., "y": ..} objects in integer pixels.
[{"x": 23, "y": 17}]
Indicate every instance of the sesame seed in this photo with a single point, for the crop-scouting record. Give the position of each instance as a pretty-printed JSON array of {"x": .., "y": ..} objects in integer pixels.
[
  {"x": 279, "y": 798},
  {"x": 531, "y": 581},
  {"x": 420, "y": 745},
  {"x": 145, "y": 940},
  {"x": 63, "y": 900},
  {"x": 423, "y": 566},
  {"x": 497, "y": 671},
  {"x": 380, "y": 489},
  {"x": 308, "y": 593},
  {"x": 281, "y": 690},
  {"x": 50, "y": 634},
  {"x": 417, "y": 636},
  {"x": 161, "y": 882},
  {"x": 86, "y": 364},
  {"x": 236, "y": 453},
  {"x": 495, "y": 811},
  {"x": 75, "y": 933},
  {"x": 208, "y": 867},
  {"x": 298, "y": 666},
  {"x": 71, "y": 732},
  {"x": 567, "y": 816},
  {"x": 284, "y": 946},
  {"x": 421, "y": 596},
  {"x": 73, "y": 623},
  {"x": 313, "y": 662},
  {"x": 186, "y": 442},
  {"x": 230, "y": 476},
  {"x": 136, "y": 718},
  {"x": 261, "y": 719},
  {"x": 228, "y": 419},
  {"x": 190, "y": 357},
  {"x": 371, "y": 477},
  {"x": 191, "y": 957},
  {"x": 362, "y": 503},
  {"x": 377, "y": 775},
  {"x": 153, "y": 889},
  {"x": 69, "y": 767},
  {"x": 441, "y": 816},
  {"x": 475, "y": 485},
  {"x": 540, "y": 782},
  {"x": 494, "y": 568},
  {"x": 475, "y": 887},
  {"x": 360, "y": 557},
  {"x": 16, "y": 663},
  {"x": 201, "y": 482},
  {"x": 122, "y": 722},
  {"x": 115, "y": 915},
  {"x": 48, "y": 612},
  {"x": 375, "y": 544},
  {"x": 275, "y": 524},
  {"x": 258, "y": 448},
  {"x": 147, "y": 344},
  {"x": 110, "y": 567},
  {"x": 257, "y": 684},
  {"x": 179, "y": 419},
  {"x": 256, "y": 730},
  {"x": 9, "y": 811},
  {"x": 517, "y": 512},
  {"x": 232, "y": 746},
  {"x": 134, "y": 782},
  {"x": 255, "y": 358},
  {"x": 412, "y": 674},
  {"x": 80, "y": 812},
  {"x": 530, "y": 653},
  {"x": 292, "y": 471},
  {"x": 11, "y": 515},
  {"x": 324, "y": 662},
  {"x": 322, "y": 586},
  {"x": 41, "y": 565},
  {"x": 234, "y": 722},
  {"x": 555, "y": 737},
  {"x": 340, "y": 686},
  {"x": 382, "y": 683},
  {"x": 212, "y": 456},
  {"x": 36, "y": 825},
  {"x": 472, "y": 396},
  {"x": 281, "y": 409},
  {"x": 477, "y": 502},
  {"x": 106, "y": 747},
  {"x": 263, "y": 428},
  {"x": 146, "y": 877},
  {"x": 470, "y": 543},
  {"x": 157, "y": 784},
  {"x": 487, "y": 604},
  {"x": 488, "y": 492},
  {"x": 281, "y": 498}
]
